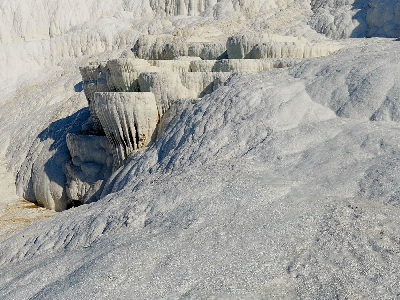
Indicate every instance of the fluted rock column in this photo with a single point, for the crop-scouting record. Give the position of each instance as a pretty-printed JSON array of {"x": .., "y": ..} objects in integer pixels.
[
  {"x": 256, "y": 46},
  {"x": 94, "y": 79},
  {"x": 129, "y": 121}
]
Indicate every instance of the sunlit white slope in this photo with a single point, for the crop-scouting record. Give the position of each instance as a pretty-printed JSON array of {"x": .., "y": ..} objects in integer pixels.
[
  {"x": 280, "y": 184},
  {"x": 256, "y": 191}
]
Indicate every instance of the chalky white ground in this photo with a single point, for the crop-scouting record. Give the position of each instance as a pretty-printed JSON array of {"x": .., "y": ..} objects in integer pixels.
[{"x": 280, "y": 184}]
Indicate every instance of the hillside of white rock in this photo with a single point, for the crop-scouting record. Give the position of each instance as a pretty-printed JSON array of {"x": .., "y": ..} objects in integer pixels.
[{"x": 200, "y": 149}]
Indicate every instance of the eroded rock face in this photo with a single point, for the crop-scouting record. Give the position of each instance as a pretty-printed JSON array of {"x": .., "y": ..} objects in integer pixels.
[{"x": 129, "y": 121}]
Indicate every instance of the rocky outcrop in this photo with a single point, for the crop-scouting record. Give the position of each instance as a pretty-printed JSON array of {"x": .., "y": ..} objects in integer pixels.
[{"x": 129, "y": 121}]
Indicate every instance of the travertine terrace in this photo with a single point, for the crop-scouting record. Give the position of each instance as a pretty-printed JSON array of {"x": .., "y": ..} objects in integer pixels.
[{"x": 129, "y": 96}]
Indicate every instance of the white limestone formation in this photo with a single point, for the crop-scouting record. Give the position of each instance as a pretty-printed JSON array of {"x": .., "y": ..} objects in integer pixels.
[
  {"x": 129, "y": 121},
  {"x": 168, "y": 80},
  {"x": 90, "y": 74},
  {"x": 94, "y": 79},
  {"x": 168, "y": 47},
  {"x": 192, "y": 45},
  {"x": 170, "y": 86},
  {"x": 256, "y": 46},
  {"x": 49, "y": 18},
  {"x": 157, "y": 76},
  {"x": 181, "y": 7},
  {"x": 90, "y": 164},
  {"x": 129, "y": 95},
  {"x": 123, "y": 74},
  {"x": 175, "y": 65},
  {"x": 241, "y": 65},
  {"x": 207, "y": 50},
  {"x": 293, "y": 50}
]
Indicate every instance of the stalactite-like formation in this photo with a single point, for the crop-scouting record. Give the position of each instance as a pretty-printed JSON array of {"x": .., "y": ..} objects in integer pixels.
[
  {"x": 129, "y": 121},
  {"x": 256, "y": 46},
  {"x": 181, "y": 7},
  {"x": 167, "y": 47}
]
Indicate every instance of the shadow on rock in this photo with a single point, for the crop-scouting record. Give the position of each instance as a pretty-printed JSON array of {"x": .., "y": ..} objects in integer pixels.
[
  {"x": 78, "y": 87},
  {"x": 361, "y": 6},
  {"x": 41, "y": 178}
]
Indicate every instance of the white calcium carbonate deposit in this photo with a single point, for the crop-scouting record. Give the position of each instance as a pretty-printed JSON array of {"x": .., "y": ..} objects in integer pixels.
[{"x": 199, "y": 149}]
